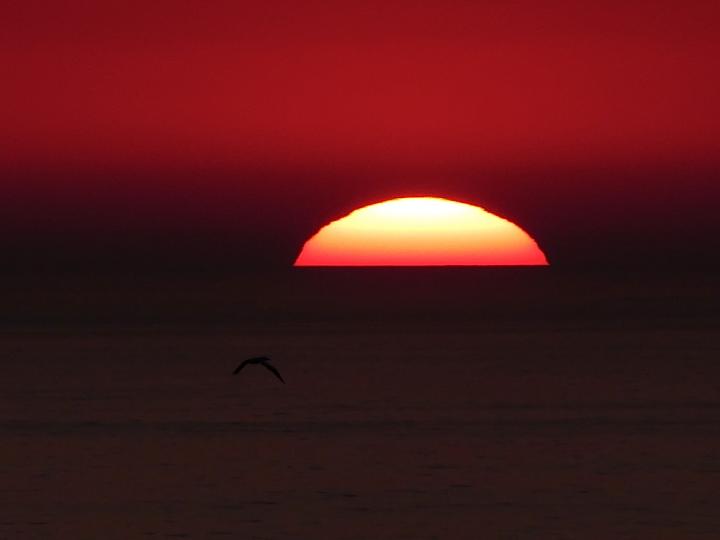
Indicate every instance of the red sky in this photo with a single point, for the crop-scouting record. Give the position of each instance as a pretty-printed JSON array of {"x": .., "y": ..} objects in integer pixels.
[{"x": 258, "y": 121}]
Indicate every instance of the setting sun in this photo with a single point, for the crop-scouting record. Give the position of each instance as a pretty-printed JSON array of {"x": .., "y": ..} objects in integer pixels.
[{"x": 421, "y": 231}]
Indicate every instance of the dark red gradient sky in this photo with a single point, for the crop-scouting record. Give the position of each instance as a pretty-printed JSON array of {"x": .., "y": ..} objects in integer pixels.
[{"x": 226, "y": 132}]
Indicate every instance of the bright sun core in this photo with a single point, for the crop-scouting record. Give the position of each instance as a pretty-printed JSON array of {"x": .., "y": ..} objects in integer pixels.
[{"x": 421, "y": 231}]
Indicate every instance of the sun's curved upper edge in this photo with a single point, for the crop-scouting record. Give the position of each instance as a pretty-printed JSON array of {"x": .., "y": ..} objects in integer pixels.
[{"x": 298, "y": 263}]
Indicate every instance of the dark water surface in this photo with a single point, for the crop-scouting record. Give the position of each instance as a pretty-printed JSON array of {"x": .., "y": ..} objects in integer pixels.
[{"x": 447, "y": 403}]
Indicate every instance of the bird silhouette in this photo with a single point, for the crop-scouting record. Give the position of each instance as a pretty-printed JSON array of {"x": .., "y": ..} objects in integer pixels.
[{"x": 263, "y": 361}]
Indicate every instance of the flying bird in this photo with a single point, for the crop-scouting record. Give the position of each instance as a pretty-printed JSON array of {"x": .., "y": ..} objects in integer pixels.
[{"x": 263, "y": 361}]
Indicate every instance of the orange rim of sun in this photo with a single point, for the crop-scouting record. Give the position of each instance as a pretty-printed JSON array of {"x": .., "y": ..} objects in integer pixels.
[{"x": 421, "y": 231}]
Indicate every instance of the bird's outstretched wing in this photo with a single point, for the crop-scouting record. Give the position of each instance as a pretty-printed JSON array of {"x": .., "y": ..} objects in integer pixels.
[
  {"x": 275, "y": 371},
  {"x": 245, "y": 363}
]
